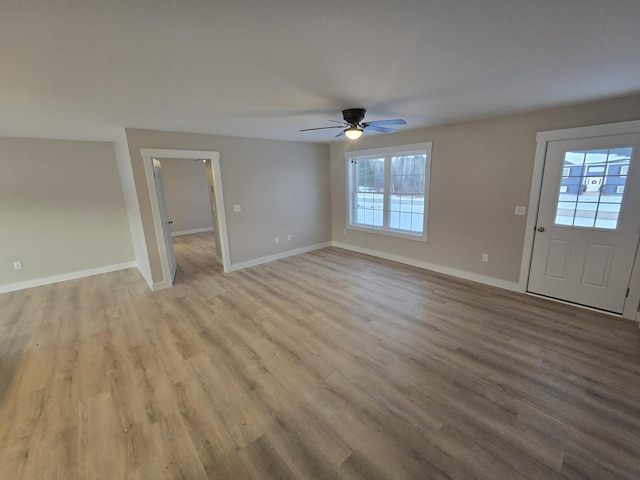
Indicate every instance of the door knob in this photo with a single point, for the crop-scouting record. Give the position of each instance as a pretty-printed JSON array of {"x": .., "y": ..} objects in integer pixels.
[
  {"x": 171, "y": 221},
  {"x": 541, "y": 229}
]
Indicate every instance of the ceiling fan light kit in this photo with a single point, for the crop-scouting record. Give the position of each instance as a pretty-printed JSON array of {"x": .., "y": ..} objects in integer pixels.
[
  {"x": 353, "y": 133},
  {"x": 355, "y": 126}
]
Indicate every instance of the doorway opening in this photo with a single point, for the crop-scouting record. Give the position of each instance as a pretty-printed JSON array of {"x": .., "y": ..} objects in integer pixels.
[
  {"x": 196, "y": 257},
  {"x": 162, "y": 227}
]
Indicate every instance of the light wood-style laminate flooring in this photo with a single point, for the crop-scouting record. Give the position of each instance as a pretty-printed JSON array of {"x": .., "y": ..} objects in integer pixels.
[{"x": 326, "y": 365}]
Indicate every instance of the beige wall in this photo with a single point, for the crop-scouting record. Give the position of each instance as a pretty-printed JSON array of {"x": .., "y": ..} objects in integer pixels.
[
  {"x": 61, "y": 209},
  {"x": 480, "y": 171},
  {"x": 186, "y": 192},
  {"x": 282, "y": 187}
]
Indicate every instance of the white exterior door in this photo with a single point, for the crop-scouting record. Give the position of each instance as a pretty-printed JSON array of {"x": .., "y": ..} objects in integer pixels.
[
  {"x": 588, "y": 223},
  {"x": 166, "y": 229}
]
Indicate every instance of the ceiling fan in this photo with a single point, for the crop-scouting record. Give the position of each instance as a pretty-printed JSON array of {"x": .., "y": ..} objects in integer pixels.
[{"x": 353, "y": 126}]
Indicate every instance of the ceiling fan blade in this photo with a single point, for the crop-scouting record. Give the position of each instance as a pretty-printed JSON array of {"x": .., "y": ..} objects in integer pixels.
[
  {"x": 341, "y": 134},
  {"x": 397, "y": 121},
  {"x": 337, "y": 121},
  {"x": 375, "y": 128},
  {"x": 320, "y": 128}
]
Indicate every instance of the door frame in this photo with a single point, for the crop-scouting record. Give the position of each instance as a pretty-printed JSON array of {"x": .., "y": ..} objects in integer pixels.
[
  {"x": 148, "y": 154},
  {"x": 542, "y": 139}
]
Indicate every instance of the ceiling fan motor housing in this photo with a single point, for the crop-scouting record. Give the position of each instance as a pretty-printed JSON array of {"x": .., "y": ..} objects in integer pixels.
[
  {"x": 353, "y": 115},
  {"x": 353, "y": 118}
]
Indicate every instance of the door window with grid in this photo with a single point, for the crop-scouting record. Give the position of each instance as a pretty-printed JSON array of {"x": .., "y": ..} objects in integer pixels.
[
  {"x": 388, "y": 190},
  {"x": 592, "y": 187}
]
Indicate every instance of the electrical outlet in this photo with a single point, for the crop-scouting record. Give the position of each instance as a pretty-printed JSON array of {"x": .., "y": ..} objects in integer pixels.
[
  {"x": 521, "y": 210},
  {"x": 237, "y": 209},
  {"x": 289, "y": 237},
  {"x": 17, "y": 265},
  {"x": 485, "y": 257},
  {"x": 277, "y": 240}
]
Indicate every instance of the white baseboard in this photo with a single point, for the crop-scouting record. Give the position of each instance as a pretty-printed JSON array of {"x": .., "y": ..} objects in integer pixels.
[
  {"x": 189, "y": 232},
  {"x": 278, "y": 256},
  {"x": 12, "y": 287},
  {"x": 454, "y": 272},
  {"x": 160, "y": 286}
]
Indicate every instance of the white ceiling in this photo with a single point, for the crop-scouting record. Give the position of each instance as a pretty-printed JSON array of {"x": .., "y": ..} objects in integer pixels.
[{"x": 267, "y": 68}]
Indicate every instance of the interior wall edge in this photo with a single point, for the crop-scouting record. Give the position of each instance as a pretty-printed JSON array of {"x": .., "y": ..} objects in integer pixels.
[{"x": 127, "y": 183}]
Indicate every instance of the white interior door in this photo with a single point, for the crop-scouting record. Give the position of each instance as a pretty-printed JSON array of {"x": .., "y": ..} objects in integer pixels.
[
  {"x": 166, "y": 229},
  {"x": 588, "y": 223}
]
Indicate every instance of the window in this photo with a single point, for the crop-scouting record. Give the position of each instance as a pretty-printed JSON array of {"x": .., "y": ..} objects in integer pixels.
[
  {"x": 596, "y": 201},
  {"x": 388, "y": 190}
]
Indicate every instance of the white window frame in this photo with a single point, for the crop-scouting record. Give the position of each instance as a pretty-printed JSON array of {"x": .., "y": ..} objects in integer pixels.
[
  {"x": 387, "y": 152},
  {"x": 624, "y": 170},
  {"x": 620, "y": 189}
]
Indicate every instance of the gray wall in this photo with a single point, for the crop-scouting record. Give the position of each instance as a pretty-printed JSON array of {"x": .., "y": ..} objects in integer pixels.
[
  {"x": 61, "y": 208},
  {"x": 186, "y": 192},
  {"x": 480, "y": 171},
  {"x": 282, "y": 187}
]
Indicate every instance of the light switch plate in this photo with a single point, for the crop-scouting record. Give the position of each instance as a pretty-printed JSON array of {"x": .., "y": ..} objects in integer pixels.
[
  {"x": 236, "y": 208},
  {"x": 521, "y": 210}
]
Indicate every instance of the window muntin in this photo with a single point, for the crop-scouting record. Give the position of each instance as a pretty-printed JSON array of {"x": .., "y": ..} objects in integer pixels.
[
  {"x": 388, "y": 190},
  {"x": 588, "y": 197}
]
